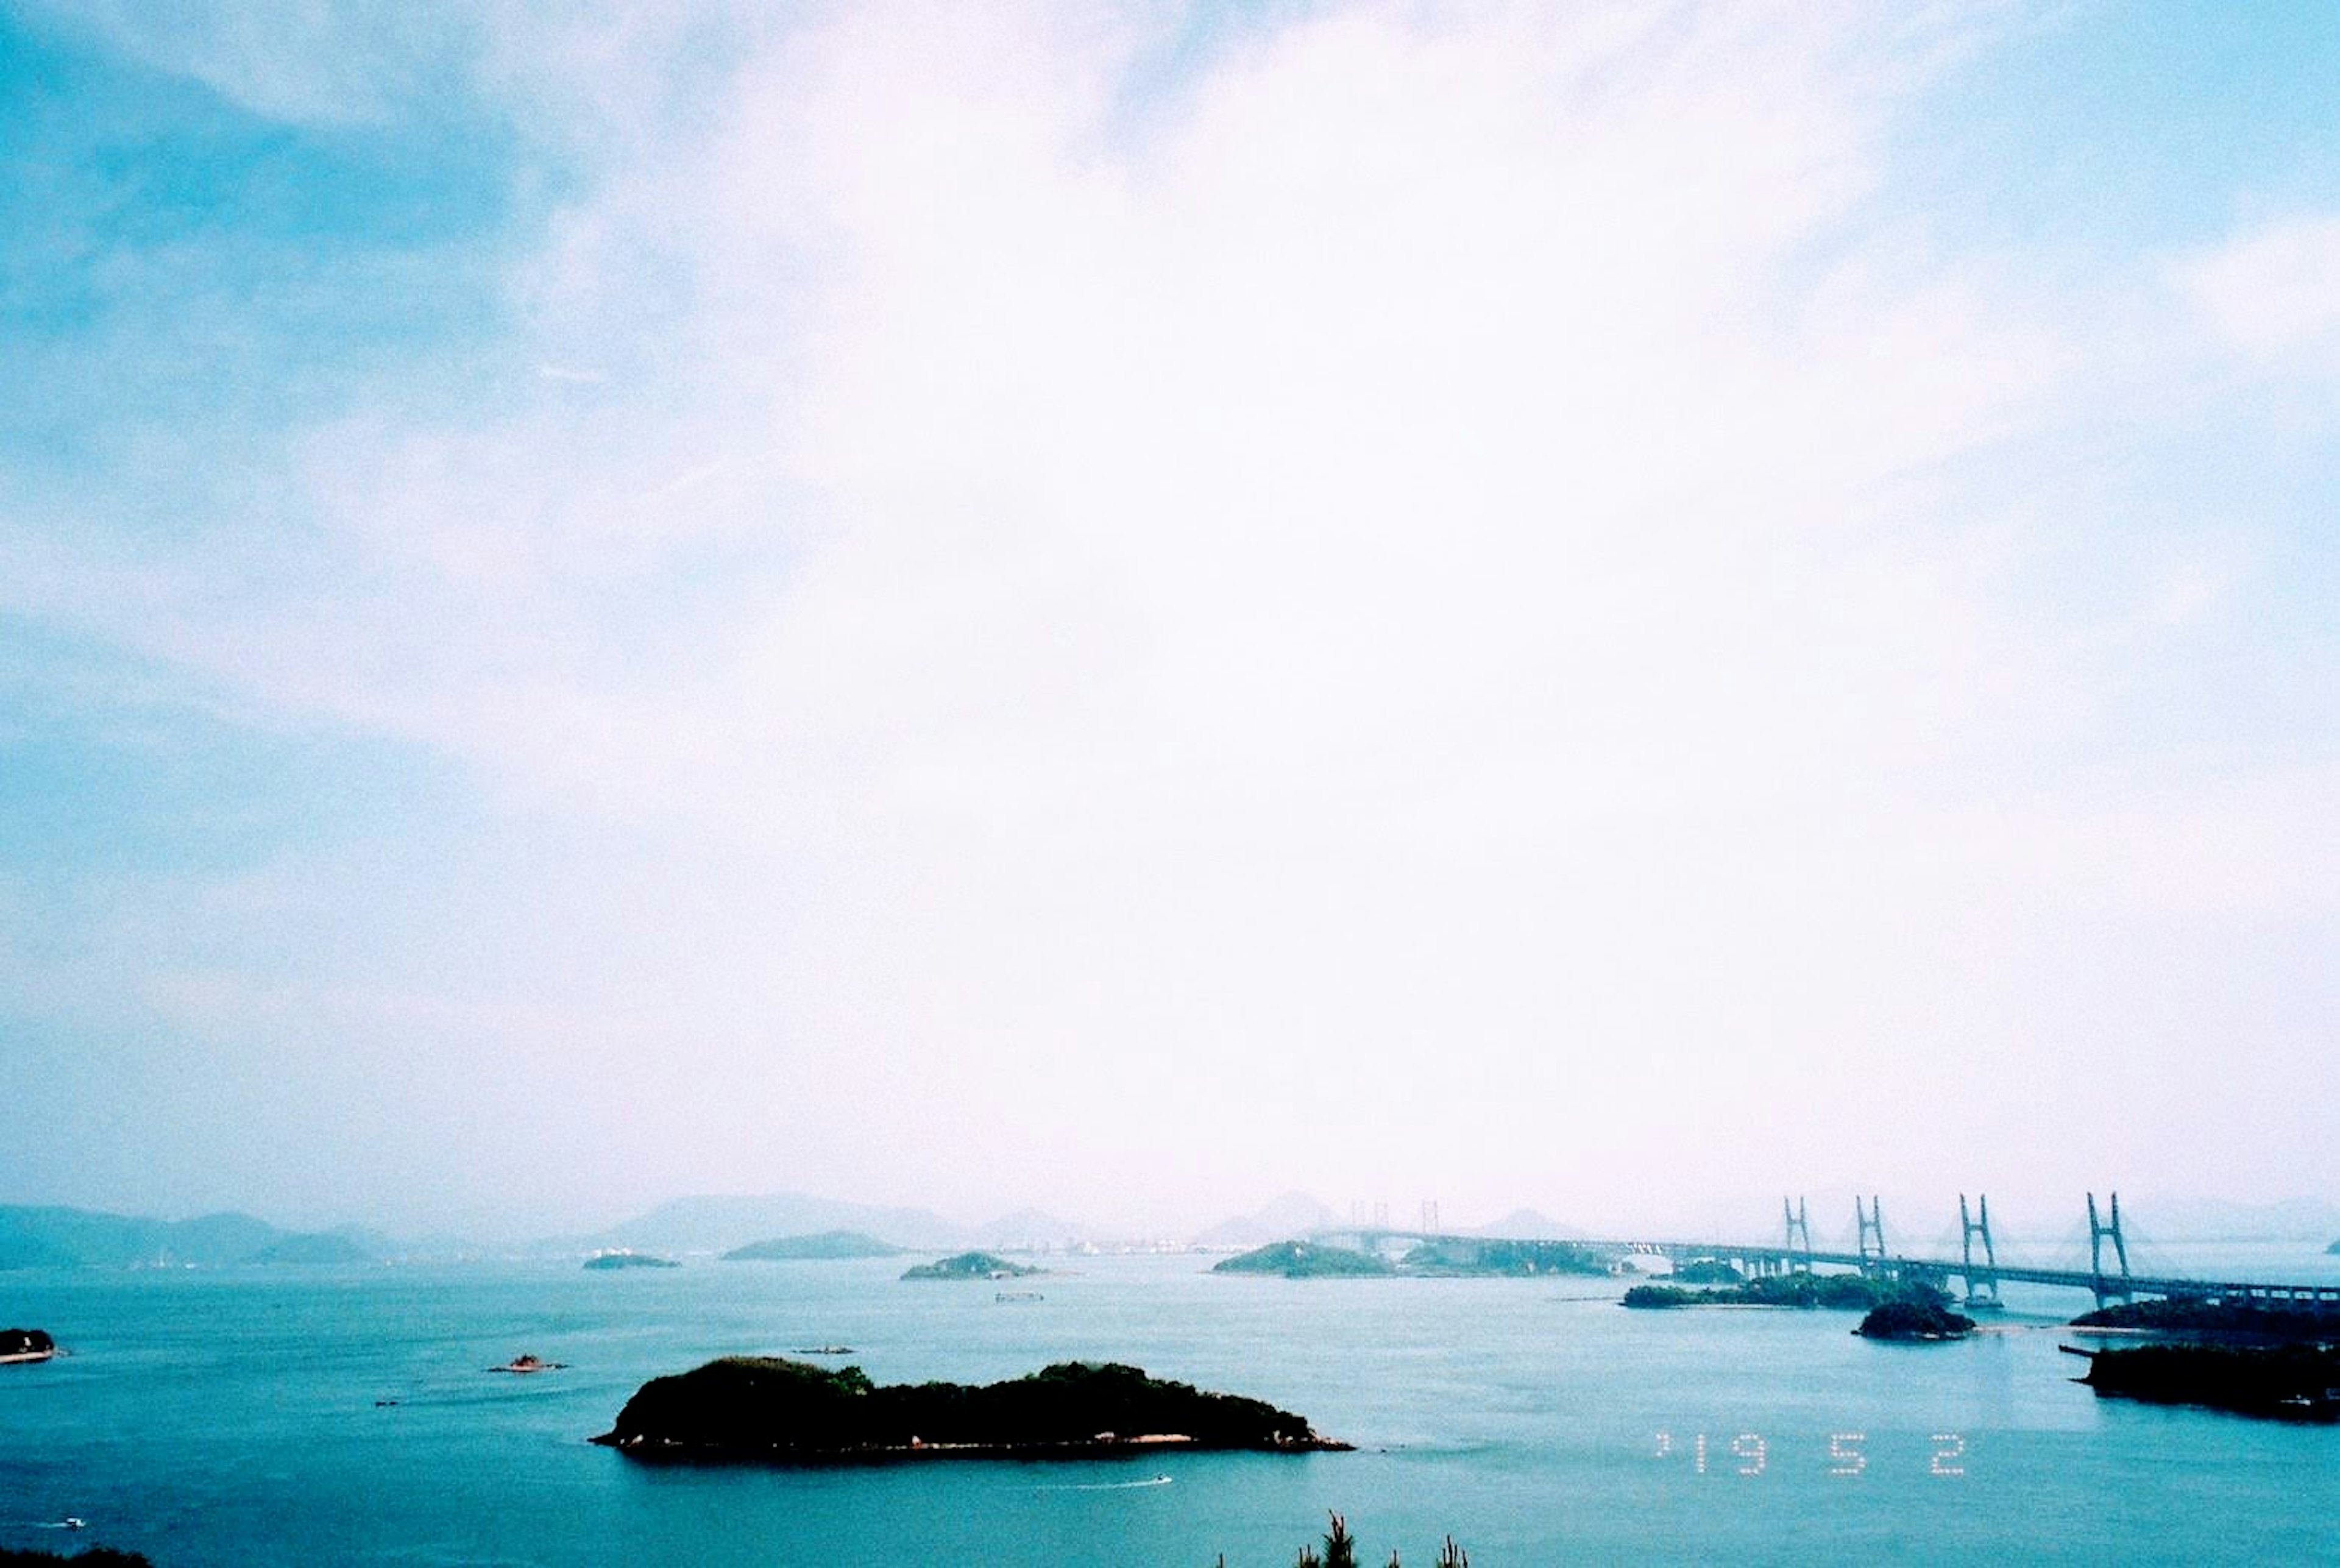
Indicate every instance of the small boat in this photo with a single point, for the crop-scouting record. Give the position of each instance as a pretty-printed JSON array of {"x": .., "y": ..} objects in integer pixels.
[{"x": 1016, "y": 1296}]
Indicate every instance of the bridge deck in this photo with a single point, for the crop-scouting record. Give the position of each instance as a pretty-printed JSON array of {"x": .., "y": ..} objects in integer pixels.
[{"x": 2268, "y": 1293}]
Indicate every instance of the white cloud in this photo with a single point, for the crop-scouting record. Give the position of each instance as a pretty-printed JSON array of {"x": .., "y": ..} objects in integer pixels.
[
  {"x": 1420, "y": 581},
  {"x": 2272, "y": 294}
]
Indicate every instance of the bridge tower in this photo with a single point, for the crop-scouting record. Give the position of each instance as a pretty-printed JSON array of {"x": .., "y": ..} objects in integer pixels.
[
  {"x": 2106, "y": 1289},
  {"x": 1872, "y": 1228},
  {"x": 1430, "y": 1216},
  {"x": 1800, "y": 1235},
  {"x": 1984, "y": 1291}
]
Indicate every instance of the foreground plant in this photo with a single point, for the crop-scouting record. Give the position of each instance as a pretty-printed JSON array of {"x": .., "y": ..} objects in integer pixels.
[{"x": 1341, "y": 1551}]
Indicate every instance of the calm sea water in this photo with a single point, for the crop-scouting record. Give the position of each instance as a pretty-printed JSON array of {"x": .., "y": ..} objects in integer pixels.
[{"x": 230, "y": 1417}]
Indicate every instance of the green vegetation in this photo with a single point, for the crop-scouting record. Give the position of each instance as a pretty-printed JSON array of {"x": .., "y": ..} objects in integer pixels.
[
  {"x": 2291, "y": 1382},
  {"x": 1341, "y": 1552},
  {"x": 970, "y": 1265},
  {"x": 2305, "y": 1322},
  {"x": 26, "y": 1342},
  {"x": 753, "y": 1408},
  {"x": 1837, "y": 1292},
  {"x": 1914, "y": 1318},
  {"x": 1468, "y": 1256},
  {"x": 1708, "y": 1271},
  {"x": 828, "y": 1246},
  {"x": 1304, "y": 1260},
  {"x": 629, "y": 1260},
  {"x": 1339, "y": 1549}
]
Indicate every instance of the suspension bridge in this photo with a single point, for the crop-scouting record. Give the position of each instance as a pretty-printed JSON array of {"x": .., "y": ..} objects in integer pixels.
[{"x": 1978, "y": 1266}]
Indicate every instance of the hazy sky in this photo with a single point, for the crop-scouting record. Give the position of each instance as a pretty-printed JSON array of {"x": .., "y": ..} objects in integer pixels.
[{"x": 1622, "y": 607}]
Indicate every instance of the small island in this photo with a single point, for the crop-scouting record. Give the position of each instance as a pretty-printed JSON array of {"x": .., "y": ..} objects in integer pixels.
[
  {"x": 1467, "y": 1257},
  {"x": 770, "y": 1410},
  {"x": 26, "y": 1345},
  {"x": 2283, "y": 1382},
  {"x": 971, "y": 1265},
  {"x": 1918, "y": 1318},
  {"x": 1305, "y": 1260},
  {"x": 621, "y": 1258},
  {"x": 829, "y": 1246},
  {"x": 1837, "y": 1292}
]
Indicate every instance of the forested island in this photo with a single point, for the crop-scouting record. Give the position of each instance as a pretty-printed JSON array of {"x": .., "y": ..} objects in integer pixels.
[
  {"x": 1837, "y": 1292},
  {"x": 791, "y": 1412},
  {"x": 2239, "y": 1318},
  {"x": 1305, "y": 1260},
  {"x": 1469, "y": 1257},
  {"x": 2288, "y": 1383},
  {"x": 971, "y": 1265},
  {"x": 1446, "y": 1257},
  {"x": 1921, "y": 1316},
  {"x": 829, "y": 1246},
  {"x": 621, "y": 1259}
]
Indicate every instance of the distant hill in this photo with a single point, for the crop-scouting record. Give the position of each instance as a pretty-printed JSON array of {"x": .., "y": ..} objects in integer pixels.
[
  {"x": 1294, "y": 1215},
  {"x": 718, "y": 1224},
  {"x": 32, "y": 1237},
  {"x": 828, "y": 1246}
]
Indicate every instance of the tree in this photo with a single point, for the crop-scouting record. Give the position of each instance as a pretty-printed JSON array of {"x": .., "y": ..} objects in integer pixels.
[{"x": 1339, "y": 1546}]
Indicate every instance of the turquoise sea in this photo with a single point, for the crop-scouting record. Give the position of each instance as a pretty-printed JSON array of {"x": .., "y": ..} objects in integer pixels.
[{"x": 231, "y": 1416}]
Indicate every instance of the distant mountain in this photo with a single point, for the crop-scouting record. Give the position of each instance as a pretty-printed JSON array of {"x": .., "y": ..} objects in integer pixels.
[
  {"x": 1293, "y": 1215},
  {"x": 718, "y": 1224},
  {"x": 1527, "y": 1225},
  {"x": 50, "y": 1236}
]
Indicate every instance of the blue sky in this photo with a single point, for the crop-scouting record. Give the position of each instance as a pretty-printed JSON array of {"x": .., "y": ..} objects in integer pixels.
[{"x": 1129, "y": 612}]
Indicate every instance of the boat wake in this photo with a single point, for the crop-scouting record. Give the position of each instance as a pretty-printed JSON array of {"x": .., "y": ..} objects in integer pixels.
[{"x": 1108, "y": 1485}]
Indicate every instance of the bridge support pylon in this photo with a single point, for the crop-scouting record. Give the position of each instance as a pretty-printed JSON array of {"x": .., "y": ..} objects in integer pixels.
[
  {"x": 1799, "y": 1237},
  {"x": 2108, "y": 1289},
  {"x": 1982, "y": 1287},
  {"x": 1871, "y": 1223}
]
